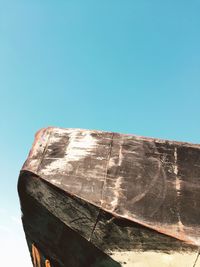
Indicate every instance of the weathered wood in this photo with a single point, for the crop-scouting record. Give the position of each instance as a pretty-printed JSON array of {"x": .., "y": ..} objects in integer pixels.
[{"x": 114, "y": 197}]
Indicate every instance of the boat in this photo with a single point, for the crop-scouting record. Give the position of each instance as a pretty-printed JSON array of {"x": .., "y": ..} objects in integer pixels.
[{"x": 102, "y": 199}]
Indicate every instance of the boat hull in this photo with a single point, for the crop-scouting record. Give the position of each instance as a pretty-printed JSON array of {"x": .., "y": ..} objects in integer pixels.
[{"x": 99, "y": 199}]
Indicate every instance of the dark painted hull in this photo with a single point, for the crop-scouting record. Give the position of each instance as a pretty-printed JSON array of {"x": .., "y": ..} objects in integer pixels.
[{"x": 96, "y": 199}]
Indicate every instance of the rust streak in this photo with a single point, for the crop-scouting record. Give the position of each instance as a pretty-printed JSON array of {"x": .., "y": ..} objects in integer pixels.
[
  {"x": 47, "y": 263},
  {"x": 36, "y": 256}
]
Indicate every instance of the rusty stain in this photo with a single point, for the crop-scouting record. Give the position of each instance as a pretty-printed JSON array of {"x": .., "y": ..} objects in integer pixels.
[
  {"x": 36, "y": 256},
  {"x": 47, "y": 263}
]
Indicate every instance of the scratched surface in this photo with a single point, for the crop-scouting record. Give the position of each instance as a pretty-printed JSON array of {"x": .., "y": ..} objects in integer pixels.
[{"x": 148, "y": 181}]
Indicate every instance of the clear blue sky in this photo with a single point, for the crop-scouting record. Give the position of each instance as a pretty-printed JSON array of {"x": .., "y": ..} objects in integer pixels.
[{"x": 127, "y": 66}]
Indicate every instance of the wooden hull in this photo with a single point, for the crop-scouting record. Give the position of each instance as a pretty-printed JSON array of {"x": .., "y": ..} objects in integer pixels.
[{"x": 96, "y": 199}]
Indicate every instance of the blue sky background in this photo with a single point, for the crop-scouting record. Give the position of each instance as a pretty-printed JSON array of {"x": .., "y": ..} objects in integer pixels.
[{"x": 123, "y": 66}]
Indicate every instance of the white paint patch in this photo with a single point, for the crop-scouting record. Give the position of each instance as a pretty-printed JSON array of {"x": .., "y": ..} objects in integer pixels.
[
  {"x": 116, "y": 191},
  {"x": 195, "y": 240},
  {"x": 178, "y": 181},
  {"x": 154, "y": 259},
  {"x": 178, "y": 188},
  {"x": 54, "y": 181},
  {"x": 112, "y": 163},
  {"x": 120, "y": 156},
  {"x": 175, "y": 159},
  {"x": 81, "y": 144}
]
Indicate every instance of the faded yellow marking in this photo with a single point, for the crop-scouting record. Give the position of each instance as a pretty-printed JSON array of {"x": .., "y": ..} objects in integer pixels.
[
  {"x": 47, "y": 263},
  {"x": 36, "y": 256}
]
